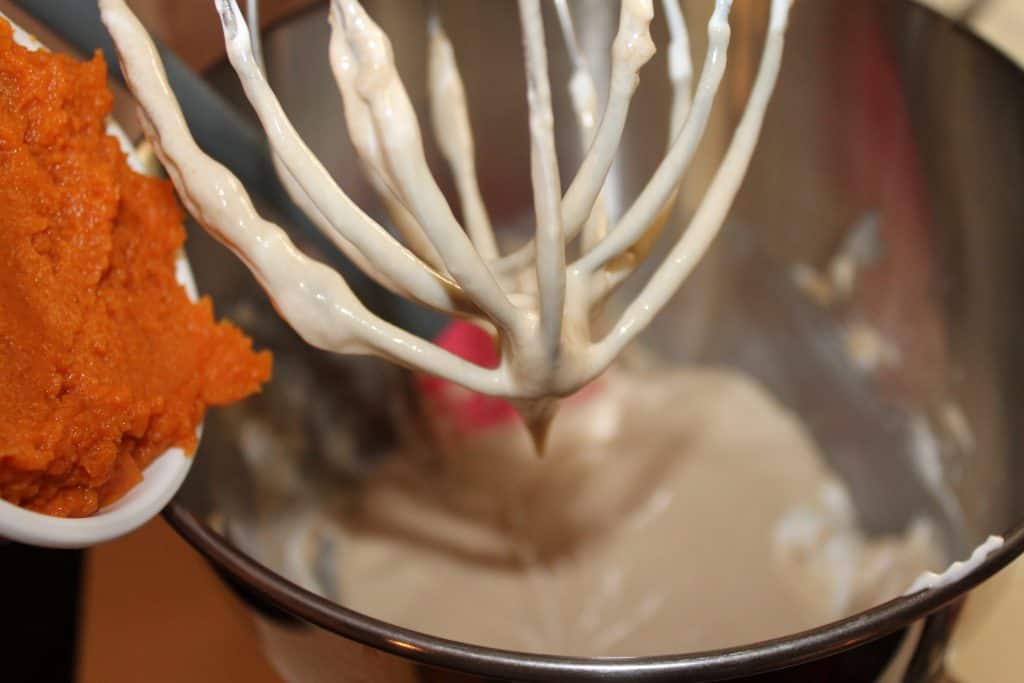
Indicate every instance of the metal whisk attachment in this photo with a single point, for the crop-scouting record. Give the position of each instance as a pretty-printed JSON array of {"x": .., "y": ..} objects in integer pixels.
[{"x": 536, "y": 302}]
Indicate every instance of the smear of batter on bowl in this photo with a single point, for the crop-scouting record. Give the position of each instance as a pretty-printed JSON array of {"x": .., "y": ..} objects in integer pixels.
[{"x": 105, "y": 363}]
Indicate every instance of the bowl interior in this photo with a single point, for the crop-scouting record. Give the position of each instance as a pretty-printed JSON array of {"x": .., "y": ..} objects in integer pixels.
[{"x": 889, "y": 127}]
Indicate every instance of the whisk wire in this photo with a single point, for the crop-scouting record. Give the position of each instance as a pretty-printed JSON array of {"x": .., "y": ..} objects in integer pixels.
[{"x": 542, "y": 323}]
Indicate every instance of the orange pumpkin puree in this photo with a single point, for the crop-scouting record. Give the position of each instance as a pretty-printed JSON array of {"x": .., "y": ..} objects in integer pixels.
[{"x": 104, "y": 361}]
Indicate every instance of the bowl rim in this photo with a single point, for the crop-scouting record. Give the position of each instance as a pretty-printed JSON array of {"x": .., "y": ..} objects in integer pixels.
[
  {"x": 161, "y": 479},
  {"x": 711, "y": 665},
  {"x": 754, "y": 658}
]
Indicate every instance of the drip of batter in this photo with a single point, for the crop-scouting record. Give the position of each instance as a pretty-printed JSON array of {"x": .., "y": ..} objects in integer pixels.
[{"x": 655, "y": 527}]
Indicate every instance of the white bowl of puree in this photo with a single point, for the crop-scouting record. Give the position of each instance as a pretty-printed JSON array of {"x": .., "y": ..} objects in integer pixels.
[{"x": 110, "y": 358}]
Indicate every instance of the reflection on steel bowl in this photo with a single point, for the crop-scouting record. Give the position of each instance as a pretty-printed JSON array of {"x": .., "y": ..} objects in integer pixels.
[{"x": 863, "y": 281}]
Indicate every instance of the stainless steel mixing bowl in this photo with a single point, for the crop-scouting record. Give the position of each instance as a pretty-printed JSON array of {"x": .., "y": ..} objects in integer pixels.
[{"x": 886, "y": 115}]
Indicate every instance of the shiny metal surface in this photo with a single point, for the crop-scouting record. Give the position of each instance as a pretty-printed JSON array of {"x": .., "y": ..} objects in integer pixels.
[{"x": 883, "y": 110}]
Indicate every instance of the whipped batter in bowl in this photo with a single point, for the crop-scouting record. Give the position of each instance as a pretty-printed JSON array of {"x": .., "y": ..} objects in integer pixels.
[
  {"x": 681, "y": 507},
  {"x": 655, "y": 524}
]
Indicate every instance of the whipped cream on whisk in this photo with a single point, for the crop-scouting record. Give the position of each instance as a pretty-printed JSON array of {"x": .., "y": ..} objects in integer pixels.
[{"x": 538, "y": 304}]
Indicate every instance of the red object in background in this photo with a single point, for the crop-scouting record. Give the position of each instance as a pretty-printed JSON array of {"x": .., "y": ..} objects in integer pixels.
[
  {"x": 457, "y": 408},
  {"x": 465, "y": 410}
]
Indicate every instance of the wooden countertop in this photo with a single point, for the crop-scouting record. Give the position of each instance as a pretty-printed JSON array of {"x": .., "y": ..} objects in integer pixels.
[{"x": 154, "y": 611}]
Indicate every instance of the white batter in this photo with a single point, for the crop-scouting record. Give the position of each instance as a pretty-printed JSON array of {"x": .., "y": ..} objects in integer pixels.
[{"x": 676, "y": 511}]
